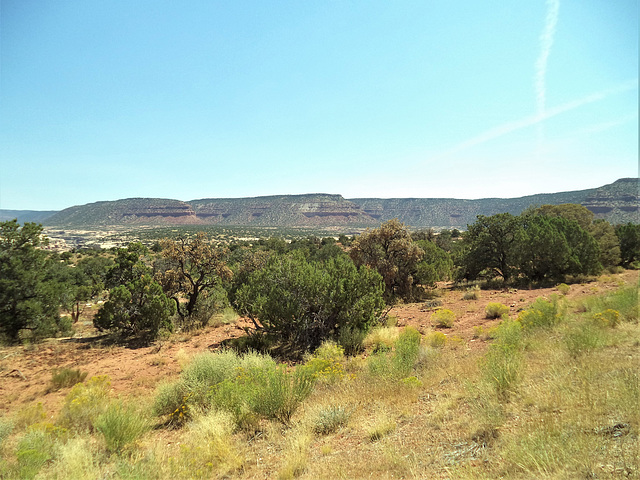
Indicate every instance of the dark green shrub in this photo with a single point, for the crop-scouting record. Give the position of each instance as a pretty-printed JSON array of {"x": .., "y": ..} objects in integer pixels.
[
  {"x": 302, "y": 304},
  {"x": 28, "y": 299},
  {"x": 351, "y": 339},
  {"x": 138, "y": 309}
]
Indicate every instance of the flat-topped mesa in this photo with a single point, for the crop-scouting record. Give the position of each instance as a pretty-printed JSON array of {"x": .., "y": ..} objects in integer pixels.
[
  {"x": 129, "y": 211},
  {"x": 616, "y": 202},
  {"x": 315, "y": 209}
]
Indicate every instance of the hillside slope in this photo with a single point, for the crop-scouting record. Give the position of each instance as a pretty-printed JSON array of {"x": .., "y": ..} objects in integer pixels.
[{"x": 616, "y": 202}]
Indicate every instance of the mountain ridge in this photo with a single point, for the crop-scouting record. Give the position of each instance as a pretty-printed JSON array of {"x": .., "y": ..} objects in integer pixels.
[{"x": 616, "y": 202}]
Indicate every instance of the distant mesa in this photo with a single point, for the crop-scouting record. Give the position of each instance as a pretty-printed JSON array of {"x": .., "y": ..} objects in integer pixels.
[{"x": 617, "y": 202}]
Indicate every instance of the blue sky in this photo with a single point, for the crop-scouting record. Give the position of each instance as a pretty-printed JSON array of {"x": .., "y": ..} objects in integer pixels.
[{"x": 196, "y": 99}]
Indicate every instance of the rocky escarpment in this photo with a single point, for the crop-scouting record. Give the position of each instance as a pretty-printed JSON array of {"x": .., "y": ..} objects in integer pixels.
[
  {"x": 130, "y": 211},
  {"x": 281, "y": 210},
  {"x": 617, "y": 203}
]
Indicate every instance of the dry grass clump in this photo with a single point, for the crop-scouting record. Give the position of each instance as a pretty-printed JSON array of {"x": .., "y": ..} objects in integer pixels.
[
  {"x": 436, "y": 339},
  {"x": 78, "y": 459},
  {"x": 381, "y": 338},
  {"x": 121, "y": 424},
  {"x": 28, "y": 415},
  {"x": 381, "y": 424},
  {"x": 472, "y": 293},
  {"x": 228, "y": 316},
  {"x": 496, "y": 310},
  {"x": 85, "y": 403},
  {"x": 330, "y": 418},
  {"x": 296, "y": 455},
  {"x": 212, "y": 446},
  {"x": 443, "y": 318},
  {"x": 66, "y": 377}
]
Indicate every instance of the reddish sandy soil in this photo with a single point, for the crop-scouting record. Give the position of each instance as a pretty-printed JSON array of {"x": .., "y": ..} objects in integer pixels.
[{"x": 25, "y": 372}]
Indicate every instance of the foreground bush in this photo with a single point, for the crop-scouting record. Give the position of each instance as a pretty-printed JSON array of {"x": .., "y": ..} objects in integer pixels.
[
  {"x": 443, "y": 318},
  {"x": 210, "y": 450},
  {"x": 35, "y": 449},
  {"x": 300, "y": 304},
  {"x": 406, "y": 353},
  {"x": 205, "y": 371},
  {"x": 502, "y": 365},
  {"x": 496, "y": 310},
  {"x": 121, "y": 424},
  {"x": 85, "y": 403},
  {"x": 249, "y": 387},
  {"x": 330, "y": 419},
  {"x": 326, "y": 363},
  {"x": 541, "y": 314},
  {"x": 583, "y": 338},
  {"x": 271, "y": 393},
  {"x": 402, "y": 361},
  {"x": 66, "y": 377}
]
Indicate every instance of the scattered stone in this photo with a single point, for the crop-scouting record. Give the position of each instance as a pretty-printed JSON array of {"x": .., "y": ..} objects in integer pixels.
[{"x": 617, "y": 430}]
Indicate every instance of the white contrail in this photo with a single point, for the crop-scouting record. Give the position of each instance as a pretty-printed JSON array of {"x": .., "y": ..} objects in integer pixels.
[
  {"x": 538, "y": 118},
  {"x": 546, "y": 42}
]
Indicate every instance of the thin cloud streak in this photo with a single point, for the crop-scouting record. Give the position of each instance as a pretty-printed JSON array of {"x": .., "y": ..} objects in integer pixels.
[
  {"x": 538, "y": 118},
  {"x": 546, "y": 42}
]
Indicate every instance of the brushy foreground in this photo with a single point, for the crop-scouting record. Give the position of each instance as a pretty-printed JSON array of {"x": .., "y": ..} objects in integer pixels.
[{"x": 554, "y": 395}]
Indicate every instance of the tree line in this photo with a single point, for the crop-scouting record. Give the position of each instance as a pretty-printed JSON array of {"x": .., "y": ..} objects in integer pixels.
[{"x": 296, "y": 294}]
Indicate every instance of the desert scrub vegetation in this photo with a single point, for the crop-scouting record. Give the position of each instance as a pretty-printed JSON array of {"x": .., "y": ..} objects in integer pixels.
[
  {"x": 471, "y": 293},
  {"x": 330, "y": 418},
  {"x": 496, "y": 310},
  {"x": 399, "y": 363},
  {"x": 443, "y": 318},
  {"x": 84, "y": 403},
  {"x": 523, "y": 405},
  {"x": 326, "y": 365},
  {"x": 623, "y": 300},
  {"x": 502, "y": 365},
  {"x": 249, "y": 387},
  {"x": 436, "y": 339},
  {"x": 121, "y": 424},
  {"x": 542, "y": 314},
  {"x": 66, "y": 377}
]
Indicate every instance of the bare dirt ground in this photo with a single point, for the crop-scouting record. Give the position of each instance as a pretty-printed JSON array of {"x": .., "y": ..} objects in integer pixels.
[{"x": 25, "y": 371}]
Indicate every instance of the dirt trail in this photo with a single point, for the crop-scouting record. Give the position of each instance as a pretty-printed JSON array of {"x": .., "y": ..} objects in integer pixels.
[{"x": 25, "y": 372}]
